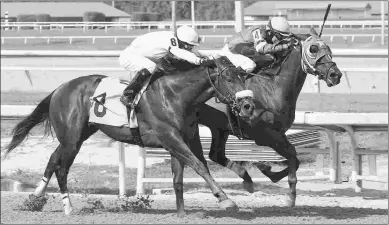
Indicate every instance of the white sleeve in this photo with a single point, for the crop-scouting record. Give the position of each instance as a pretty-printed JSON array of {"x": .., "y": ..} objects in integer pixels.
[{"x": 185, "y": 55}]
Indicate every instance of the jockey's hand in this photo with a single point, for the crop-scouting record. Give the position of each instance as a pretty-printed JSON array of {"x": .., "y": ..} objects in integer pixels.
[{"x": 206, "y": 61}]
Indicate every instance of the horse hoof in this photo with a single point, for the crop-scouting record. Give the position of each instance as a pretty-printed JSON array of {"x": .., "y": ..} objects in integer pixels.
[
  {"x": 229, "y": 205},
  {"x": 68, "y": 210},
  {"x": 248, "y": 186},
  {"x": 264, "y": 167}
]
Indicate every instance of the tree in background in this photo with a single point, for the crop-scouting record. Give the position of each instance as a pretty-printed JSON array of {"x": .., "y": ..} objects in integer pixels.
[{"x": 210, "y": 10}]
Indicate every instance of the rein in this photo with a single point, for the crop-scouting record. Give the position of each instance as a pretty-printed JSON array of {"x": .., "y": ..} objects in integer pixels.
[
  {"x": 230, "y": 103},
  {"x": 229, "y": 99}
]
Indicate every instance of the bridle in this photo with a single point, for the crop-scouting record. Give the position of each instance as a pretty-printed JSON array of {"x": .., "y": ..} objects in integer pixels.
[
  {"x": 229, "y": 98},
  {"x": 309, "y": 67}
]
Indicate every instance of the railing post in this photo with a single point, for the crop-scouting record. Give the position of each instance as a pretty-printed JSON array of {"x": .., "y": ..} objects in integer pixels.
[
  {"x": 239, "y": 16},
  {"x": 372, "y": 160},
  {"x": 338, "y": 164},
  {"x": 333, "y": 155},
  {"x": 122, "y": 169},
  {"x": 319, "y": 172},
  {"x": 140, "y": 190},
  {"x": 356, "y": 160}
]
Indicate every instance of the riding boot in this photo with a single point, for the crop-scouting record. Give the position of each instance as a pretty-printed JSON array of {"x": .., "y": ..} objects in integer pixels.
[{"x": 134, "y": 87}]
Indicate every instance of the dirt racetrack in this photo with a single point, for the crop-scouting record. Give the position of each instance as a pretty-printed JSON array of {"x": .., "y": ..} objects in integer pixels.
[{"x": 316, "y": 203}]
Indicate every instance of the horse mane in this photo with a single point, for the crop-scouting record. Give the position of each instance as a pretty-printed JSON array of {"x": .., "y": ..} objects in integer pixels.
[{"x": 302, "y": 37}]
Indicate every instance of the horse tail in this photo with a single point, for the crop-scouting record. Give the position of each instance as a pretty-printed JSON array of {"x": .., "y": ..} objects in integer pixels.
[{"x": 23, "y": 128}]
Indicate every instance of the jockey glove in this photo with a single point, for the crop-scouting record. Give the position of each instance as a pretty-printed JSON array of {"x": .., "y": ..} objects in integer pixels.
[
  {"x": 282, "y": 47},
  {"x": 206, "y": 62}
]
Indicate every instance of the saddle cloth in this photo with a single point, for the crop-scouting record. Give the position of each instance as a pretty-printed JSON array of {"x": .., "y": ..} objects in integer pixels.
[{"x": 108, "y": 109}]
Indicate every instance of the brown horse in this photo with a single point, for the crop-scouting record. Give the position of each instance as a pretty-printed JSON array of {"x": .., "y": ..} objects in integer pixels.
[
  {"x": 275, "y": 99},
  {"x": 163, "y": 117}
]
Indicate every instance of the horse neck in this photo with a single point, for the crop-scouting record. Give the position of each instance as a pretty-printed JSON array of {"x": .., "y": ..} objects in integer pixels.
[
  {"x": 292, "y": 77},
  {"x": 284, "y": 88},
  {"x": 190, "y": 85}
]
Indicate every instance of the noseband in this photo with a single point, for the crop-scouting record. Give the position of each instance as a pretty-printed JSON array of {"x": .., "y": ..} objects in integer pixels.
[{"x": 229, "y": 99}]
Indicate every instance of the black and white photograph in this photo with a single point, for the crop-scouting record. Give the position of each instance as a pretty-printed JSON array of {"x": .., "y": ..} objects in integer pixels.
[{"x": 185, "y": 112}]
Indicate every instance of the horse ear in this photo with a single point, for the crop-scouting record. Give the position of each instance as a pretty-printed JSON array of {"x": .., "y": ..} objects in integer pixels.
[{"x": 313, "y": 31}]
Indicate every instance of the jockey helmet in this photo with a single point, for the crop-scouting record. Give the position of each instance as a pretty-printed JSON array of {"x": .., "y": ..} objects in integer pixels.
[
  {"x": 188, "y": 35},
  {"x": 279, "y": 25}
]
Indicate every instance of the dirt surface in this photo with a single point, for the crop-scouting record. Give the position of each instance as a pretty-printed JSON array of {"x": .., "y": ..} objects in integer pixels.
[{"x": 316, "y": 203}]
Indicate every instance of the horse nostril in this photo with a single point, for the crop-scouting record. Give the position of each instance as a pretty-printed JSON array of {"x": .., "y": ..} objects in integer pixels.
[
  {"x": 247, "y": 106},
  {"x": 333, "y": 75}
]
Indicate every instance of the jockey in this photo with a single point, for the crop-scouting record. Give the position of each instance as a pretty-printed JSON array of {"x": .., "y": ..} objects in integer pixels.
[
  {"x": 145, "y": 51},
  {"x": 254, "y": 39}
]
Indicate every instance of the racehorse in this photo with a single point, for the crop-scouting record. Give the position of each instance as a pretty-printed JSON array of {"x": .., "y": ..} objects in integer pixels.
[
  {"x": 163, "y": 113},
  {"x": 275, "y": 98}
]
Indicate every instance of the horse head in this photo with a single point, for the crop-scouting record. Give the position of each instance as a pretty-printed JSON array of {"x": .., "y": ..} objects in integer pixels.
[
  {"x": 230, "y": 89},
  {"x": 316, "y": 59}
]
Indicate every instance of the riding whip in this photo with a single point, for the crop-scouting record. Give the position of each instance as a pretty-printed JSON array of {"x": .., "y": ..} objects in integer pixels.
[{"x": 325, "y": 18}]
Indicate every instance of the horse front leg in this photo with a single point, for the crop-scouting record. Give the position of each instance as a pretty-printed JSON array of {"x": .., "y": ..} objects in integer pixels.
[
  {"x": 175, "y": 144},
  {"x": 217, "y": 154},
  {"x": 280, "y": 143},
  {"x": 217, "y": 122}
]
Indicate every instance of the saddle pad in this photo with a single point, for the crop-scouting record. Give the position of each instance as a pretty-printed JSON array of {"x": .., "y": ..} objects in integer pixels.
[{"x": 108, "y": 109}]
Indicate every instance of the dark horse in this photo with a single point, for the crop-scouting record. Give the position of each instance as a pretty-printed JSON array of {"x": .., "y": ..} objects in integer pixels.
[
  {"x": 275, "y": 99},
  {"x": 163, "y": 113}
]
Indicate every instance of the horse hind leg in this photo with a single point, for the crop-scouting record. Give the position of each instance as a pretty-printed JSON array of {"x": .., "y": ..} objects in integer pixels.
[
  {"x": 55, "y": 165},
  {"x": 178, "y": 184},
  {"x": 59, "y": 163},
  {"x": 217, "y": 154},
  {"x": 50, "y": 168},
  {"x": 273, "y": 176}
]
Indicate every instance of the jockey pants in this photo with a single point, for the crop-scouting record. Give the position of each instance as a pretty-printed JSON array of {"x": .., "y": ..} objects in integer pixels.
[
  {"x": 238, "y": 60},
  {"x": 133, "y": 63}
]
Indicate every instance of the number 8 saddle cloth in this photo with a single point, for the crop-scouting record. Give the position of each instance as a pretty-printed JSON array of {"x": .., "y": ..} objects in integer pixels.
[{"x": 106, "y": 107}]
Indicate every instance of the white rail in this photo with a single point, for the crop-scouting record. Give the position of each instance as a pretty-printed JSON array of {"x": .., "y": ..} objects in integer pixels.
[
  {"x": 338, "y": 52},
  {"x": 25, "y": 39},
  {"x": 35, "y": 68},
  {"x": 167, "y": 24}
]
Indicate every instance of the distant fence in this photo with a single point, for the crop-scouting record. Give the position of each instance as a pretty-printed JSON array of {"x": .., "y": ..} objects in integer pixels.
[
  {"x": 337, "y": 52},
  {"x": 199, "y": 24},
  {"x": 205, "y": 38}
]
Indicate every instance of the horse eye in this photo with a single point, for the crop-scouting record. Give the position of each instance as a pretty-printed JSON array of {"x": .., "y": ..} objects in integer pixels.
[{"x": 313, "y": 49}]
